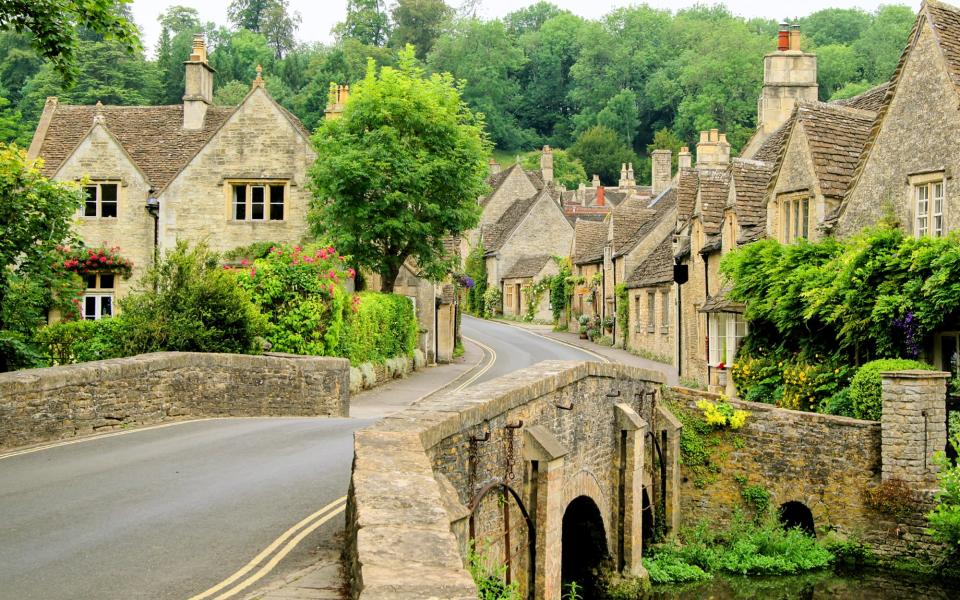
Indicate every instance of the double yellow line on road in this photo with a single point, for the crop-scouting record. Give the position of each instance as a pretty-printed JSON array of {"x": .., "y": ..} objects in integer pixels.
[
  {"x": 492, "y": 360},
  {"x": 270, "y": 557}
]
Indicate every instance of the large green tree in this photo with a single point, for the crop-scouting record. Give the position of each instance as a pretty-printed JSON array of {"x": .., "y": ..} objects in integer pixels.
[
  {"x": 35, "y": 215},
  {"x": 418, "y": 22},
  {"x": 601, "y": 151},
  {"x": 400, "y": 171},
  {"x": 881, "y": 44},
  {"x": 367, "y": 22}
]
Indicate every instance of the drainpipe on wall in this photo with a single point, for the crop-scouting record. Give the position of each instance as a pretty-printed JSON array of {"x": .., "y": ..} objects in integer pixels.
[
  {"x": 706, "y": 293},
  {"x": 613, "y": 261},
  {"x": 153, "y": 207}
]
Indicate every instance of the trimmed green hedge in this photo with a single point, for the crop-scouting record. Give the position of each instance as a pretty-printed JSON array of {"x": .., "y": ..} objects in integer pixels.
[
  {"x": 381, "y": 326},
  {"x": 866, "y": 388}
]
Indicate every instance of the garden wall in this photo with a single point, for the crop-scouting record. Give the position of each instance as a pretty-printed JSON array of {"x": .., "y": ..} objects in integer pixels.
[
  {"x": 825, "y": 462},
  {"x": 41, "y": 405}
]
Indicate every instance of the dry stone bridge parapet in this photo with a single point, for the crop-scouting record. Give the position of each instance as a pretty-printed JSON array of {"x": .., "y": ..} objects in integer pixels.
[{"x": 574, "y": 459}]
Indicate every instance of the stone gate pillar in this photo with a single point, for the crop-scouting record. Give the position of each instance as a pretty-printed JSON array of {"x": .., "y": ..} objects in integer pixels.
[
  {"x": 913, "y": 425},
  {"x": 629, "y": 520},
  {"x": 546, "y": 453}
]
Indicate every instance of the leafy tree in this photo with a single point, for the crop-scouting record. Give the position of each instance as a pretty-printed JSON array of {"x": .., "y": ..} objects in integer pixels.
[
  {"x": 602, "y": 152},
  {"x": 621, "y": 116},
  {"x": 418, "y": 22},
  {"x": 178, "y": 24},
  {"x": 366, "y": 22},
  {"x": 237, "y": 55},
  {"x": 835, "y": 26},
  {"x": 837, "y": 66},
  {"x": 399, "y": 171},
  {"x": 18, "y": 63},
  {"x": 483, "y": 54},
  {"x": 53, "y": 26},
  {"x": 531, "y": 18},
  {"x": 567, "y": 171},
  {"x": 248, "y": 14},
  {"x": 279, "y": 26},
  {"x": 881, "y": 44},
  {"x": 851, "y": 89},
  {"x": 664, "y": 139},
  {"x": 35, "y": 216},
  {"x": 11, "y": 125},
  {"x": 231, "y": 94}
]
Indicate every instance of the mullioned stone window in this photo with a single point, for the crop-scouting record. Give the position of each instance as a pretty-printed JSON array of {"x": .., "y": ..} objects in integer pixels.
[
  {"x": 98, "y": 298},
  {"x": 258, "y": 200},
  {"x": 102, "y": 200},
  {"x": 929, "y": 196}
]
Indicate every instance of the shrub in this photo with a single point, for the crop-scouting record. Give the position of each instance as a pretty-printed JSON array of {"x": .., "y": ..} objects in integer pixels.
[
  {"x": 722, "y": 414},
  {"x": 190, "y": 303},
  {"x": 380, "y": 327},
  {"x": 81, "y": 341},
  {"x": 865, "y": 387},
  {"x": 492, "y": 302},
  {"x": 894, "y": 497},
  {"x": 807, "y": 385},
  {"x": 670, "y": 568},
  {"x": 838, "y": 404},
  {"x": 758, "y": 379},
  {"x": 944, "y": 519}
]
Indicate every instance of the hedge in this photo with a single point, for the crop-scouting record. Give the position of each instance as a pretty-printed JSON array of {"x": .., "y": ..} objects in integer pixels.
[
  {"x": 866, "y": 385},
  {"x": 381, "y": 326}
]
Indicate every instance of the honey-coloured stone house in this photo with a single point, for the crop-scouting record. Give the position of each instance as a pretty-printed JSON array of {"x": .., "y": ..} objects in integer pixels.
[{"x": 226, "y": 176}]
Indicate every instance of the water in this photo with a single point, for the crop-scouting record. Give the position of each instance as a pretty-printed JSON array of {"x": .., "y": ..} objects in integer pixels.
[{"x": 825, "y": 585}]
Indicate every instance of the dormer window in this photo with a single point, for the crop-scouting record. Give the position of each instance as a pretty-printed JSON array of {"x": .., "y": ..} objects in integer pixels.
[
  {"x": 794, "y": 211},
  {"x": 929, "y": 192},
  {"x": 258, "y": 201},
  {"x": 101, "y": 200}
]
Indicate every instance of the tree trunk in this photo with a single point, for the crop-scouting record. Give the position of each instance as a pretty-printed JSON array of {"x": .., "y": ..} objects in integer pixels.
[{"x": 388, "y": 277}]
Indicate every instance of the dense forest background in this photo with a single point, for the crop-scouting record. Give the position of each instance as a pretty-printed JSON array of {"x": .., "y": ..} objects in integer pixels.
[{"x": 607, "y": 89}]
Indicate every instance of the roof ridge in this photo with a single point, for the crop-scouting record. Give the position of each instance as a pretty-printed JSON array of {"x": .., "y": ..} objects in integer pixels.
[{"x": 849, "y": 110}]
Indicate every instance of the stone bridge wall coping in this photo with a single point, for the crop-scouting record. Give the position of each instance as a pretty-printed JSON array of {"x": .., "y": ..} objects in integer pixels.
[
  {"x": 399, "y": 512},
  {"x": 41, "y": 405}
]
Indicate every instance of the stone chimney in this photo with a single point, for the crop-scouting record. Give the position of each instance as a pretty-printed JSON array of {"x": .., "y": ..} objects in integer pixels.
[
  {"x": 623, "y": 175},
  {"x": 661, "y": 171},
  {"x": 596, "y": 181},
  {"x": 684, "y": 159},
  {"x": 494, "y": 166},
  {"x": 198, "y": 92},
  {"x": 713, "y": 151},
  {"x": 339, "y": 94},
  {"x": 789, "y": 76},
  {"x": 630, "y": 179},
  {"x": 546, "y": 164}
]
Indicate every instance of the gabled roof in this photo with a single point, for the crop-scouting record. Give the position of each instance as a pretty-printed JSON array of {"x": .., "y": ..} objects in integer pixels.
[
  {"x": 626, "y": 221},
  {"x": 496, "y": 181},
  {"x": 590, "y": 237},
  {"x": 497, "y": 234},
  {"x": 688, "y": 180},
  {"x": 871, "y": 99},
  {"x": 657, "y": 268},
  {"x": 153, "y": 136},
  {"x": 527, "y": 266},
  {"x": 769, "y": 151},
  {"x": 659, "y": 208},
  {"x": 750, "y": 179},
  {"x": 714, "y": 189}
]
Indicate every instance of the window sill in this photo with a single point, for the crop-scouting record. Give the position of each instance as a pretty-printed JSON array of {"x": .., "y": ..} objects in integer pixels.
[
  {"x": 651, "y": 329},
  {"x": 256, "y": 221},
  {"x": 664, "y": 330}
]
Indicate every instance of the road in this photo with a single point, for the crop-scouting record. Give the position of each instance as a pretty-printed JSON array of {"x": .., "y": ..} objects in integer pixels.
[{"x": 168, "y": 512}]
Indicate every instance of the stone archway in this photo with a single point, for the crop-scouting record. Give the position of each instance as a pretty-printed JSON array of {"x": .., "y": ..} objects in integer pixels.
[
  {"x": 796, "y": 515},
  {"x": 648, "y": 524},
  {"x": 584, "y": 546}
]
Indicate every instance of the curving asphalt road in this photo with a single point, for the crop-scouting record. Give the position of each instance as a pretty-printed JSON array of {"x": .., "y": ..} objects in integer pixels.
[{"x": 165, "y": 513}]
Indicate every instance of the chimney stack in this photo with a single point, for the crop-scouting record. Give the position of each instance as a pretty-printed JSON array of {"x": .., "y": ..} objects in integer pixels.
[
  {"x": 630, "y": 180},
  {"x": 339, "y": 94},
  {"x": 713, "y": 151},
  {"x": 601, "y": 196},
  {"x": 623, "y": 176},
  {"x": 596, "y": 181},
  {"x": 198, "y": 80},
  {"x": 684, "y": 159},
  {"x": 789, "y": 76},
  {"x": 546, "y": 165},
  {"x": 494, "y": 166},
  {"x": 661, "y": 171}
]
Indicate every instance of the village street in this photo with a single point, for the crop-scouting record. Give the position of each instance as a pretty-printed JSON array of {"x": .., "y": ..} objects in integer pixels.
[{"x": 171, "y": 511}]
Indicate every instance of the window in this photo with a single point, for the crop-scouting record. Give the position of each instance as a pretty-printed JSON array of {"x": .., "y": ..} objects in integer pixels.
[
  {"x": 794, "y": 217},
  {"x": 726, "y": 330},
  {"x": 638, "y": 317},
  {"x": 665, "y": 312},
  {"x": 651, "y": 311},
  {"x": 100, "y": 201},
  {"x": 258, "y": 201},
  {"x": 98, "y": 298},
  {"x": 928, "y": 206}
]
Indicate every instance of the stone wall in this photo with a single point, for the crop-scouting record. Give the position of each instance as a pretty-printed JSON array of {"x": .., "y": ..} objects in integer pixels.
[
  {"x": 553, "y": 428},
  {"x": 825, "y": 462},
  {"x": 41, "y": 405},
  {"x": 661, "y": 341}
]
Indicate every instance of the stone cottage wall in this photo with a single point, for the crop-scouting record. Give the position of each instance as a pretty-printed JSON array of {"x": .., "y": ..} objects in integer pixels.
[{"x": 40, "y": 405}]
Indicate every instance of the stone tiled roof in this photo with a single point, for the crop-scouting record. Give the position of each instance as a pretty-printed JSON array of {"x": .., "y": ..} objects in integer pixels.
[
  {"x": 527, "y": 266},
  {"x": 720, "y": 303},
  {"x": 750, "y": 179},
  {"x": 836, "y": 136},
  {"x": 626, "y": 220},
  {"x": 945, "y": 20},
  {"x": 683, "y": 249},
  {"x": 153, "y": 136},
  {"x": 687, "y": 182},
  {"x": 714, "y": 189},
  {"x": 656, "y": 269},
  {"x": 752, "y": 233},
  {"x": 495, "y": 235},
  {"x": 658, "y": 209},
  {"x": 769, "y": 151},
  {"x": 871, "y": 99},
  {"x": 495, "y": 181},
  {"x": 590, "y": 238}
]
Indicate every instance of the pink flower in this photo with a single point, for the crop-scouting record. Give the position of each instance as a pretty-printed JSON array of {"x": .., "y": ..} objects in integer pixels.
[
  {"x": 253, "y": 272},
  {"x": 331, "y": 275},
  {"x": 330, "y": 250},
  {"x": 245, "y": 262},
  {"x": 351, "y": 273},
  {"x": 322, "y": 254}
]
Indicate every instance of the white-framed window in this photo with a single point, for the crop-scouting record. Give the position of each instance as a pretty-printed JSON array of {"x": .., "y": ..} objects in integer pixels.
[
  {"x": 98, "y": 298},
  {"x": 258, "y": 201},
  {"x": 651, "y": 311},
  {"x": 794, "y": 217},
  {"x": 101, "y": 200},
  {"x": 665, "y": 311},
  {"x": 726, "y": 331},
  {"x": 928, "y": 205}
]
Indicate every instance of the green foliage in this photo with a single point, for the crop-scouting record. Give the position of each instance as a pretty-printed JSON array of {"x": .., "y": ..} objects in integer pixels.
[
  {"x": 623, "y": 313},
  {"x": 621, "y": 587},
  {"x": 382, "y": 326},
  {"x": 399, "y": 172},
  {"x": 534, "y": 294},
  {"x": 70, "y": 342},
  {"x": 944, "y": 519},
  {"x": 670, "y": 568},
  {"x": 189, "y": 303},
  {"x": 744, "y": 547},
  {"x": 571, "y": 591},
  {"x": 419, "y": 23},
  {"x": 894, "y": 497},
  {"x": 491, "y": 581},
  {"x": 476, "y": 268},
  {"x": 561, "y": 289},
  {"x": 367, "y": 22},
  {"x": 492, "y": 302},
  {"x": 602, "y": 153},
  {"x": 721, "y": 414},
  {"x": 567, "y": 171},
  {"x": 865, "y": 387},
  {"x": 757, "y": 498},
  {"x": 35, "y": 215}
]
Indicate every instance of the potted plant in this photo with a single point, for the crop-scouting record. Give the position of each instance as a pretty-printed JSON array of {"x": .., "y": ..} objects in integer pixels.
[
  {"x": 721, "y": 374},
  {"x": 584, "y": 322},
  {"x": 608, "y": 324}
]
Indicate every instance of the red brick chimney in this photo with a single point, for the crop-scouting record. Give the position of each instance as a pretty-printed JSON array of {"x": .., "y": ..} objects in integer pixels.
[
  {"x": 783, "y": 37},
  {"x": 600, "y": 196}
]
